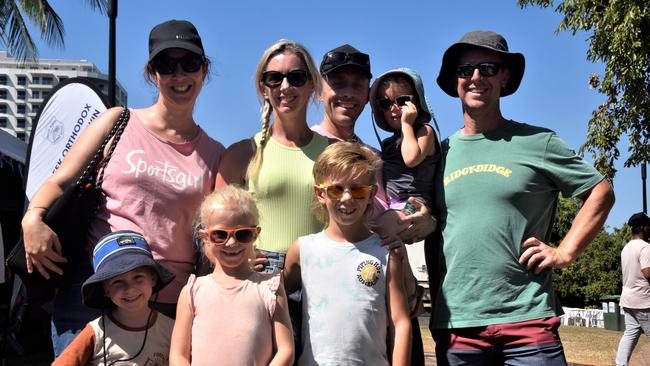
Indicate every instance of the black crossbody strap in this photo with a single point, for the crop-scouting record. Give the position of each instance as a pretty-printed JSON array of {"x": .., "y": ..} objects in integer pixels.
[{"x": 98, "y": 162}]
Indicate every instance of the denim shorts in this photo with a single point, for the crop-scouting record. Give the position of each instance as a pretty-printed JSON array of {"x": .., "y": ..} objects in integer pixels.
[{"x": 69, "y": 315}]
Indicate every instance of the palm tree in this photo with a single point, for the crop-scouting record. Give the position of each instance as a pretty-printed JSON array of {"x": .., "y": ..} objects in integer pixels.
[{"x": 14, "y": 34}]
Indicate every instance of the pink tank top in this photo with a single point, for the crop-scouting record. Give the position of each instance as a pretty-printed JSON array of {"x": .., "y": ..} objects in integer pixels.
[
  {"x": 233, "y": 326},
  {"x": 155, "y": 187}
]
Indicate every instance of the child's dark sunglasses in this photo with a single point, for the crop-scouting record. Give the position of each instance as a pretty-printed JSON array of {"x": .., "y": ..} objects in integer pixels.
[
  {"x": 484, "y": 68},
  {"x": 166, "y": 65},
  {"x": 273, "y": 79},
  {"x": 335, "y": 191},
  {"x": 243, "y": 235},
  {"x": 385, "y": 103}
]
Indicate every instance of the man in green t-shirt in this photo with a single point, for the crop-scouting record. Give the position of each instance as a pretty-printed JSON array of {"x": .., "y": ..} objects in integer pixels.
[{"x": 496, "y": 197}]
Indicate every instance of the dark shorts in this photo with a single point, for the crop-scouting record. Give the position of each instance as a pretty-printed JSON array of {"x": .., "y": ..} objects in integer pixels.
[{"x": 532, "y": 342}]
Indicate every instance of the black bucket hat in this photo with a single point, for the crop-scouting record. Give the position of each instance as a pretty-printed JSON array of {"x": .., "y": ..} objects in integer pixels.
[
  {"x": 486, "y": 40},
  {"x": 345, "y": 56},
  {"x": 639, "y": 219},
  {"x": 174, "y": 34},
  {"x": 115, "y": 254}
]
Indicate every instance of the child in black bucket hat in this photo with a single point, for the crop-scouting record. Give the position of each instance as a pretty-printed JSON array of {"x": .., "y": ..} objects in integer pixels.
[{"x": 126, "y": 277}]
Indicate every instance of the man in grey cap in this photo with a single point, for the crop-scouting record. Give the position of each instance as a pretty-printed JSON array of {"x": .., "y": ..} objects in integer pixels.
[
  {"x": 495, "y": 201},
  {"x": 635, "y": 297}
]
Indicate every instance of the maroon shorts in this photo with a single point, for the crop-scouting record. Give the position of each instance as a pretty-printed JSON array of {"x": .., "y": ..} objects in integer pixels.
[{"x": 500, "y": 336}]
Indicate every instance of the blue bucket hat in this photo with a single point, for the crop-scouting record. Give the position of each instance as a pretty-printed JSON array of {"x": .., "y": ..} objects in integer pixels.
[{"x": 115, "y": 254}]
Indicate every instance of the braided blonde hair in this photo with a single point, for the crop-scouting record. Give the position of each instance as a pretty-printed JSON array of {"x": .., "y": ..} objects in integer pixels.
[{"x": 279, "y": 47}]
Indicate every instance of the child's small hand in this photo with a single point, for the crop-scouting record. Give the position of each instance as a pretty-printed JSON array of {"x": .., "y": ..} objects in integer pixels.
[
  {"x": 392, "y": 242},
  {"x": 409, "y": 113},
  {"x": 398, "y": 252},
  {"x": 259, "y": 262}
]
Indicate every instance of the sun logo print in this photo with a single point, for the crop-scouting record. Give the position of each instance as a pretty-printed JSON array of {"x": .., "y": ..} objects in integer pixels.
[{"x": 368, "y": 272}]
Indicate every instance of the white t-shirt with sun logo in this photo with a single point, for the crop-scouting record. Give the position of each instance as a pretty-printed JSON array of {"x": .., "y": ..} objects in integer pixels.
[{"x": 344, "y": 301}]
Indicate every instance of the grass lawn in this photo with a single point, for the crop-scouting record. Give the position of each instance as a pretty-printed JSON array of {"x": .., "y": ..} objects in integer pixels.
[
  {"x": 596, "y": 346},
  {"x": 583, "y": 346}
]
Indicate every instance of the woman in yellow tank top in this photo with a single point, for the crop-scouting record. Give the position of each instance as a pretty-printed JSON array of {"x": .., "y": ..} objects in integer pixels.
[{"x": 275, "y": 164}]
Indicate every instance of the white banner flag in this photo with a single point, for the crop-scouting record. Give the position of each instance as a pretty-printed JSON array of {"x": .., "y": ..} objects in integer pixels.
[{"x": 69, "y": 108}]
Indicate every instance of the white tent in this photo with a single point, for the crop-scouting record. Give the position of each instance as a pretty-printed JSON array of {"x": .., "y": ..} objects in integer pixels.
[{"x": 12, "y": 146}]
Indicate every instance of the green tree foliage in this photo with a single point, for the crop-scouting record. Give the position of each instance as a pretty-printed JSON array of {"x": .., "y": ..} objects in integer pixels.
[
  {"x": 14, "y": 32},
  {"x": 619, "y": 36},
  {"x": 597, "y": 272}
]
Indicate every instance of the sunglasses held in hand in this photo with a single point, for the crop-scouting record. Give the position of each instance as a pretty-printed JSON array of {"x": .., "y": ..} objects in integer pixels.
[
  {"x": 335, "y": 191},
  {"x": 385, "y": 103},
  {"x": 273, "y": 79},
  {"x": 486, "y": 69},
  {"x": 166, "y": 65},
  {"x": 243, "y": 235}
]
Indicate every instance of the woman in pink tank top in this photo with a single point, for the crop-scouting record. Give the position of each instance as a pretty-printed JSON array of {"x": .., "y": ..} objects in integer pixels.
[{"x": 162, "y": 167}]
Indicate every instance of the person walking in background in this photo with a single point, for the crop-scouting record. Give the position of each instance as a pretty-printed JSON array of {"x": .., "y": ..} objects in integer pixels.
[
  {"x": 181, "y": 162},
  {"x": 635, "y": 297},
  {"x": 495, "y": 198},
  {"x": 233, "y": 316}
]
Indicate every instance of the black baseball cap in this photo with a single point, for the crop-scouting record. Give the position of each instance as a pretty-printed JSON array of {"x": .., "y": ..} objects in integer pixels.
[
  {"x": 174, "y": 34},
  {"x": 345, "y": 56},
  {"x": 639, "y": 219}
]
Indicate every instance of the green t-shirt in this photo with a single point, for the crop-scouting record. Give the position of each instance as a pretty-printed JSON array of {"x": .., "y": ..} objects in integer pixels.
[{"x": 496, "y": 190}]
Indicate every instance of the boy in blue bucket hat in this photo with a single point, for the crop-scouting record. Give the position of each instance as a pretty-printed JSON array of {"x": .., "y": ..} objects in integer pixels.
[{"x": 126, "y": 277}]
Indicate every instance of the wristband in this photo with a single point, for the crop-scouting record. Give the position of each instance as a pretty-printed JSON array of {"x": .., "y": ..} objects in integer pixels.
[{"x": 35, "y": 207}]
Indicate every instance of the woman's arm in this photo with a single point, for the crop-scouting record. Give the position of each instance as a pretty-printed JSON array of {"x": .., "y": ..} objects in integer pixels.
[
  {"x": 400, "y": 324},
  {"x": 291, "y": 272},
  {"x": 42, "y": 245},
  {"x": 179, "y": 350},
  {"x": 282, "y": 331},
  {"x": 234, "y": 163}
]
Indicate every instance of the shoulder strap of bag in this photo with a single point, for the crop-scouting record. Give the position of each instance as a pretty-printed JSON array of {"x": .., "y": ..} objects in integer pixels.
[{"x": 98, "y": 162}]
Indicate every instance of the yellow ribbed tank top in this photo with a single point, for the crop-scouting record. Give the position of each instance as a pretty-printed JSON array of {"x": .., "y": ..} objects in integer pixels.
[{"x": 284, "y": 192}]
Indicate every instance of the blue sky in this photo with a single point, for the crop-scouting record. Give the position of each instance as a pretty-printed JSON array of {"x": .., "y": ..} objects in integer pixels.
[{"x": 554, "y": 92}]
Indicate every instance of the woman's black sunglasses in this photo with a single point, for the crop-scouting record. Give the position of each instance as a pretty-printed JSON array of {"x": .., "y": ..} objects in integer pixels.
[
  {"x": 166, "y": 65},
  {"x": 385, "y": 103},
  {"x": 296, "y": 78}
]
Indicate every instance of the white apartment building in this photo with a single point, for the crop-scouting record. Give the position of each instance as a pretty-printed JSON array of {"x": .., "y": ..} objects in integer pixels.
[{"x": 23, "y": 88}]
